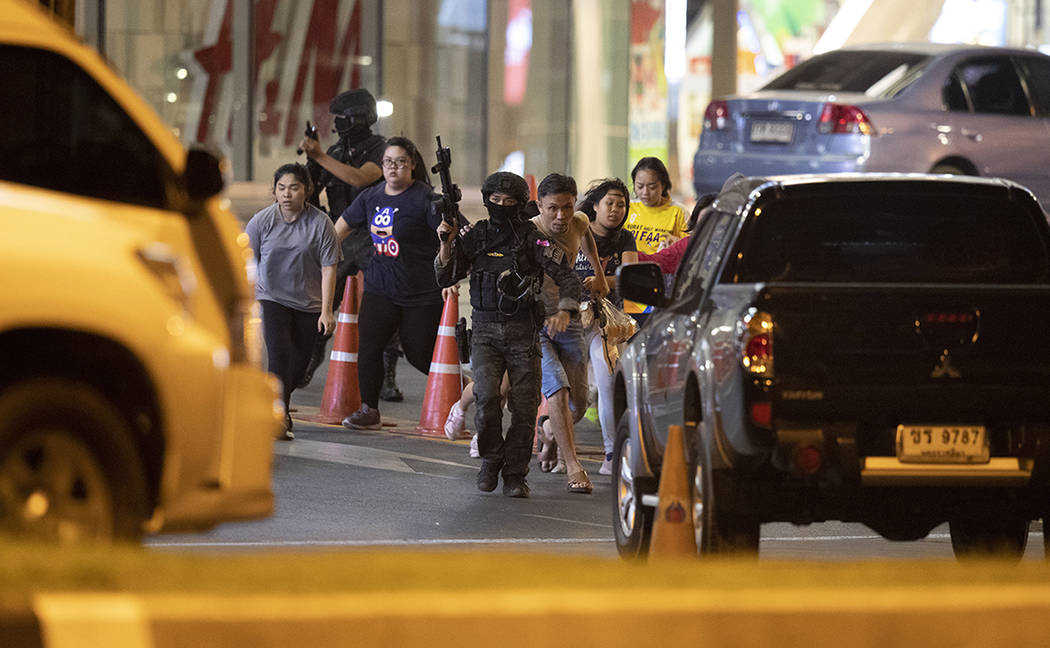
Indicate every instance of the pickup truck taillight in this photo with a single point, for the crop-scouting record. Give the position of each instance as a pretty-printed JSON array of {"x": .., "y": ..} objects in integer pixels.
[
  {"x": 840, "y": 118},
  {"x": 757, "y": 359},
  {"x": 758, "y": 344}
]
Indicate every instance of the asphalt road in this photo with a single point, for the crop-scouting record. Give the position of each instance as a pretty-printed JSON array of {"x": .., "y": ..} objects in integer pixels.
[{"x": 393, "y": 487}]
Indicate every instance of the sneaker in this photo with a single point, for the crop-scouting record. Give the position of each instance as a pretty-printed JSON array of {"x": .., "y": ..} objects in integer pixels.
[
  {"x": 515, "y": 486},
  {"x": 287, "y": 434},
  {"x": 606, "y": 468},
  {"x": 365, "y": 418},
  {"x": 474, "y": 447},
  {"x": 455, "y": 426},
  {"x": 488, "y": 476}
]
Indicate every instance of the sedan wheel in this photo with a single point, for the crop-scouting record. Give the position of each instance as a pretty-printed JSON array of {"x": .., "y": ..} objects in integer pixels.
[{"x": 947, "y": 169}]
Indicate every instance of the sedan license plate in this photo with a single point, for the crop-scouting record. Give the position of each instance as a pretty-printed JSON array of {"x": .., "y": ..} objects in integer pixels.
[
  {"x": 779, "y": 132},
  {"x": 966, "y": 444}
]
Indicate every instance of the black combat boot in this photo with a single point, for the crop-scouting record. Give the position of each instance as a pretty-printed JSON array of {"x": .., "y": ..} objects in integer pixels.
[
  {"x": 515, "y": 486},
  {"x": 390, "y": 392},
  {"x": 488, "y": 476}
]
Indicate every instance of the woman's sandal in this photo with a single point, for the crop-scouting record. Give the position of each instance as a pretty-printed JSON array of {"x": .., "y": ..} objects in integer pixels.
[
  {"x": 579, "y": 482},
  {"x": 548, "y": 454}
]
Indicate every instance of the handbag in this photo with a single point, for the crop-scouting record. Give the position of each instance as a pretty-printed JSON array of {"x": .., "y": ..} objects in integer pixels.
[{"x": 616, "y": 327}]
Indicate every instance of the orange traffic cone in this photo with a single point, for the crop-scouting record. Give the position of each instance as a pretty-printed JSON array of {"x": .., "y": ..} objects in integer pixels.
[
  {"x": 342, "y": 395},
  {"x": 673, "y": 533},
  {"x": 444, "y": 386}
]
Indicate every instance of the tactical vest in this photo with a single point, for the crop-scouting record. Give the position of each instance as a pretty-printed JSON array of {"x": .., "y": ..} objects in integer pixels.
[
  {"x": 341, "y": 194},
  {"x": 500, "y": 252}
]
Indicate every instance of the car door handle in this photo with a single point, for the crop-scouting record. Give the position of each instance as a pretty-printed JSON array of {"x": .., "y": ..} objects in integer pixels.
[{"x": 972, "y": 134}]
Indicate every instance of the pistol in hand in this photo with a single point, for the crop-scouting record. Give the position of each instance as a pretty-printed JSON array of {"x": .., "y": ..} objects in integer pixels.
[{"x": 311, "y": 132}]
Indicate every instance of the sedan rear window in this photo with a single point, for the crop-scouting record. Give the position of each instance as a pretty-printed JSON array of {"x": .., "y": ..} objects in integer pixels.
[
  {"x": 877, "y": 74},
  {"x": 922, "y": 238}
]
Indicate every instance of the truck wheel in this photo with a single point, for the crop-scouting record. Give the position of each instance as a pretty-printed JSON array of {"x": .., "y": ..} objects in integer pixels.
[
  {"x": 977, "y": 537},
  {"x": 722, "y": 519},
  {"x": 68, "y": 470},
  {"x": 632, "y": 522}
]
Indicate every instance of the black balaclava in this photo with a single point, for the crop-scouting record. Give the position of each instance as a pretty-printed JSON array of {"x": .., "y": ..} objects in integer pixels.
[{"x": 507, "y": 183}]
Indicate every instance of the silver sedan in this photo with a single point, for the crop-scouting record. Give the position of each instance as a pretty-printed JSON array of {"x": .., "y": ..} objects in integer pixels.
[{"x": 919, "y": 108}]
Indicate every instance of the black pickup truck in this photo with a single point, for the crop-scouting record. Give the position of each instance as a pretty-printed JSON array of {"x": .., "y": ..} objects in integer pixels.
[{"x": 866, "y": 348}]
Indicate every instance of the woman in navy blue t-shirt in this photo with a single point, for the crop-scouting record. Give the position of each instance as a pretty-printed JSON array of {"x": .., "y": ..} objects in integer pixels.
[{"x": 401, "y": 293}]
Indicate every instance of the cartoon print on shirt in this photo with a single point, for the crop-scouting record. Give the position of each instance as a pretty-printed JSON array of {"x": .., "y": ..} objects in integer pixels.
[
  {"x": 583, "y": 264},
  {"x": 382, "y": 229}
]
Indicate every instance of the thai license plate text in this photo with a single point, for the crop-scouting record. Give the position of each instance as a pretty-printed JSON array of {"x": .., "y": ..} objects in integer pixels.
[{"x": 942, "y": 444}]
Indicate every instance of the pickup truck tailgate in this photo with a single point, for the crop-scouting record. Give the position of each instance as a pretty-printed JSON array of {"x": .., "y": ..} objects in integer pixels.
[{"x": 954, "y": 352}]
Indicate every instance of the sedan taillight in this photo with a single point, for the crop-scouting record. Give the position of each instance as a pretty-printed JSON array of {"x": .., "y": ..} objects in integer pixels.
[
  {"x": 716, "y": 117},
  {"x": 841, "y": 118}
]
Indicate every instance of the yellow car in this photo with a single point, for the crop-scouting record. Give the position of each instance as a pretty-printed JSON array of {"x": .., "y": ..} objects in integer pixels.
[{"x": 132, "y": 397}]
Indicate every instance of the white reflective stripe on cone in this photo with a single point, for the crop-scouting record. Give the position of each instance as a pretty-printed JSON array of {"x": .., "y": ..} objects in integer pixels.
[
  {"x": 443, "y": 368},
  {"x": 348, "y": 318},
  {"x": 343, "y": 356},
  {"x": 449, "y": 331}
]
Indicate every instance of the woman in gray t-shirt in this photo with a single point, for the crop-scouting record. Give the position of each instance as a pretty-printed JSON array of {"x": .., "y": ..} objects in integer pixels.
[{"x": 296, "y": 253}]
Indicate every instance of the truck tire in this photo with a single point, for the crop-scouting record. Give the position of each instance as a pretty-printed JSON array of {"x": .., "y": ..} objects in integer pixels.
[
  {"x": 68, "y": 469},
  {"x": 981, "y": 537},
  {"x": 632, "y": 521},
  {"x": 722, "y": 518}
]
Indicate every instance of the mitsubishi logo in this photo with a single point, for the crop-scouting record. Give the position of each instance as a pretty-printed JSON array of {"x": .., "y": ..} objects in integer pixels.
[
  {"x": 947, "y": 329},
  {"x": 944, "y": 368}
]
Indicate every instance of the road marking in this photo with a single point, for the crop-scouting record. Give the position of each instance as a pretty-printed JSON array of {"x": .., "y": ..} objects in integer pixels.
[
  {"x": 832, "y": 538},
  {"x": 558, "y": 519},
  {"x": 353, "y": 455},
  {"x": 379, "y": 543}
]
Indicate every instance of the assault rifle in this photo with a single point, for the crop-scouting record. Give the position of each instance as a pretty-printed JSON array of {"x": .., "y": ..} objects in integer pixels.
[{"x": 450, "y": 193}]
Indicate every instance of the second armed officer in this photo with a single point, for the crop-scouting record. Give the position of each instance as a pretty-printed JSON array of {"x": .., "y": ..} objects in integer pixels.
[{"x": 506, "y": 258}]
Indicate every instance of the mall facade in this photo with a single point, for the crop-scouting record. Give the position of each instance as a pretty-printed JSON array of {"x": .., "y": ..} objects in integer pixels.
[{"x": 578, "y": 86}]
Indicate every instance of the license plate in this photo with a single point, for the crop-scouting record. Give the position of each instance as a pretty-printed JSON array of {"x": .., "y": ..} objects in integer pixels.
[
  {"x": 780, "y": 132},
  {"x": 942, "y": 444}
]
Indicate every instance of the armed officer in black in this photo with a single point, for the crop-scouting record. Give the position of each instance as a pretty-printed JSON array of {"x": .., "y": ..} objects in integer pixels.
[
  {"x": 506, "y": 258},
  {"x": 347, "y": 168}
]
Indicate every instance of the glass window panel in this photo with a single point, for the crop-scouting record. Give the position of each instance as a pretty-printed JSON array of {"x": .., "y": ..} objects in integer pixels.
[{"x": 65, "y": 133}]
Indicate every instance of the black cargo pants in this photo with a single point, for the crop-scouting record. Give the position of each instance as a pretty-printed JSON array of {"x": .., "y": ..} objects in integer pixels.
[{"x": 512, "y": 346}]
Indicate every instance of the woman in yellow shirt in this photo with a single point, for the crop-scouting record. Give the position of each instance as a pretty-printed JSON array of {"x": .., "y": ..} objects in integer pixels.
[{"x": 654, "y": 219}]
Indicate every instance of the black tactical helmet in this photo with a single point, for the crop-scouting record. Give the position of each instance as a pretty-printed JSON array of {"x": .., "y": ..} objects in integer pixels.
[
  {"x": 358, "y": 105},
  {"x": 508, "y": 183}
]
